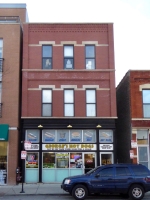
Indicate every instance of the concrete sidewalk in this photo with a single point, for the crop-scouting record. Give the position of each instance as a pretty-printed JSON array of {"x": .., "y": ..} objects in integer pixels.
[{"x": 38, "y": 188}]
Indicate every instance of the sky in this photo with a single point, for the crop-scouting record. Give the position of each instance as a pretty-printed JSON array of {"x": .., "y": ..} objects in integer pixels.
[{"x": 131, "y": 19}]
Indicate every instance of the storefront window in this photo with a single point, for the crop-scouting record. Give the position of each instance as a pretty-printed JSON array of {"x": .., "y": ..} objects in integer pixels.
[
  {"x": 49, "y": 136},
  {"x": 49, "y": 160},
  {"x": 32, "y": 136},
  {"x": 143, "y": 155},
  {"x": 76, "y": 136},
  {"x": 62, "y": 160},
  {"x": 76, "y": 160},
  {"x": 63, "y": 136},
  {"x": 106, "y": 158},
  {"x": 89, "y": 136},
  {"x": 32, "y": 160},
  {"x": 106, "y": 136},
  {"x": 142, "y": 137},
  {"x": 3, "y": 163}
]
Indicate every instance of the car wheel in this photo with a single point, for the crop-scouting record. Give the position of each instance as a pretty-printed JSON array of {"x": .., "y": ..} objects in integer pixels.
[
  {"x": 136, "y": 192},
  {"x": 79, "y": 192}
]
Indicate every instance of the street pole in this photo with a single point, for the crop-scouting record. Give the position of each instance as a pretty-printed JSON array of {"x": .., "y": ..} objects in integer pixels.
[{"x": 22, "y": 191}]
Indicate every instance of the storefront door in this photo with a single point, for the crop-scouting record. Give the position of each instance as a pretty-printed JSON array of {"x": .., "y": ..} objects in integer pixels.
[
  {"x": 106, "y": 158},
  {"x": 89, "y": 161}
]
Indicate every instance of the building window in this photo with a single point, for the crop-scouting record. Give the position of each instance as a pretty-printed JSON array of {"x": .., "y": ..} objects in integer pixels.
[
  {"x": 146, "y": 103},
  {"x": 90, "y": 103},
  {"x": 69, "y": 103},
  {"x": 1, "y": 54},
  {"x": 46, "y": 103},
  {"x": 90, "y": 56},
  {"x": 142, "y": 137},
  {"x": 47, "y": 57},
  {"x": 68, "y": 57}
]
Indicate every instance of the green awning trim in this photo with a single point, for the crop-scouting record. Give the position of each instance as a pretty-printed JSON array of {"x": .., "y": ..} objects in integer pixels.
[{"x": 4, "y": 132}]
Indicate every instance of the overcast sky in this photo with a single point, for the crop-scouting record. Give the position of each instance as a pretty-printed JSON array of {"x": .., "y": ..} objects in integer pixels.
[{"x": 131, "y": 20}]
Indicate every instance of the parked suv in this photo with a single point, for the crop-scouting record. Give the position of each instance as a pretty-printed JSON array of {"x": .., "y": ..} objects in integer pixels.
[{"x": 126, "y": 179}]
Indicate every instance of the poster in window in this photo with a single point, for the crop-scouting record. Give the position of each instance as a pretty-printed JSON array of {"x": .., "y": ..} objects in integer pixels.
[
  {"x": 76, "y": 136},
  {"x": 63, "y": 136},
  {"x": 89, "y": 136},
  {"x": 76, "y": 160},
  {"x": 32, "y": 136},
  {"x": 105, "y": 136},
  {"x": 49, "y": 136},
  {"x": 32, "y": 160}
]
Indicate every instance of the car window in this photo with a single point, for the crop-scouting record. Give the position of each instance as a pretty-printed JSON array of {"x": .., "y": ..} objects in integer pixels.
[
  {"x": 93, "y": 170},
  {"x": 140, "y": 170},
  {"x": 106, "y": 172},
  {"x": 122, "y": 171}
]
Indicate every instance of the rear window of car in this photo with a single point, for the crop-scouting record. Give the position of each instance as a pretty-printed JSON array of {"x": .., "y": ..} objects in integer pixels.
[
  {"x": 140, "y": 170},
  {"x": 122, "y": 171}
]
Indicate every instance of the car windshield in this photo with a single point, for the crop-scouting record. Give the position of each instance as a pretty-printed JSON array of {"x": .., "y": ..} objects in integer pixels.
[{"x": 92, "y": 170}]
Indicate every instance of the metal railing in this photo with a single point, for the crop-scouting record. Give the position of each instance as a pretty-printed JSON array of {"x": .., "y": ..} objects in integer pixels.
[{"x": 1, "y": 64}]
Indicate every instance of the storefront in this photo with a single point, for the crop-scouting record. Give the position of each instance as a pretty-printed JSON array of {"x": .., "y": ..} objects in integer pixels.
[
  {"x": 3, "y": 153},
  {"x": 58, "y": 153}
]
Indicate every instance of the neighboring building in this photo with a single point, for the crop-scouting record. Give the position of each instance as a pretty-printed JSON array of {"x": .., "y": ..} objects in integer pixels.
[
  {"x": 68, "y": 99},
  {"x": 11, "y": 17},
  {"x": 133, "y": 124}
]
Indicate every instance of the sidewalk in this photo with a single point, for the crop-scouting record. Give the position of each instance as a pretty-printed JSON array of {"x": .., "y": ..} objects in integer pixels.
[{"x": 38, "y": 188}]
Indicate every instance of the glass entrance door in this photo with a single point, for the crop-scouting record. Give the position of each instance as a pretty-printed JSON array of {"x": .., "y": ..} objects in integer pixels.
[
  {"x": 89, "y": 161},
  {"x": 106, "y": 158}
]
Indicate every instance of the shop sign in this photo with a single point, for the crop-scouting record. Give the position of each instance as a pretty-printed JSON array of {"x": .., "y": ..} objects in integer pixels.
[
  {"x": 69, "y": 147},
  {"x": 131, "y": 154},
  {"x": 27, "y": 145},
  {"x": 133, "y": 144},
  {"x": 23, "y": 154},
  {"x": 106, "y": 147}
]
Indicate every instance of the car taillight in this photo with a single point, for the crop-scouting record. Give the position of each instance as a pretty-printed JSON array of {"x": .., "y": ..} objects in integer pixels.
[{"x": 147, "y": 179}]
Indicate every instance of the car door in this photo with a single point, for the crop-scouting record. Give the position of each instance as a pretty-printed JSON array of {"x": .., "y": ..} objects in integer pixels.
[
  {"x": 103, "y": 181},
  {"x": 123, "y": 179}
]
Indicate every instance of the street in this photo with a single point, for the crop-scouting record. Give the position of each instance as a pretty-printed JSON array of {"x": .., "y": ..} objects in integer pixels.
[{"x": 61, "y": 197}]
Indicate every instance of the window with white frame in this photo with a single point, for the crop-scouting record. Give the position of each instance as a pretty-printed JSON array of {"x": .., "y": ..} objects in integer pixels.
[
  {"x": 68, "y": 102},
  {"x": 46, "y": 102},
  {"x": 90, "y": 56},
  {"x": 90, "y": 103},
  {"x": 146, "y": 103},
  {"x": 68, "y": 57},
  {"x": 47, "y": 56}
]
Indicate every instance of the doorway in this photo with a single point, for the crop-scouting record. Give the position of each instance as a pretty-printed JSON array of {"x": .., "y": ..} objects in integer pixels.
[{"x": 89, "y": 161}]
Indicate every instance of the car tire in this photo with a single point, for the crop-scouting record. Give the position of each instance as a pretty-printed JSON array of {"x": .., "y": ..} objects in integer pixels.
[
  {"x": 136, "y": 192},
  {"x": 79, "y": 192}
]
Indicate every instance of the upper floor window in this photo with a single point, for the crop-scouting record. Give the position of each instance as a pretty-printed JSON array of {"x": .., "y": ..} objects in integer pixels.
[
  {"x": 47, "y": 57},
  {"x": 46, "y": 103},
  {"x": 146, "y": 103},
  {"x": 68, "y": 57},
  {"x": 1, "y": 54},
  {"x": 90, "y": 56},
  {"x": 90, "y": 103},
  {"x": 69, "y": 103}
]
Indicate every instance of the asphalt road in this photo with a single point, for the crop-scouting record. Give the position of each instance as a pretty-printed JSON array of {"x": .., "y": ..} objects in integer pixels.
[{"x": 61, "y": 197}]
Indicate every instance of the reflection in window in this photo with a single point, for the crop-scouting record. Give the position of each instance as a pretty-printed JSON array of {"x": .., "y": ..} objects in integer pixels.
[
  {"x": 49, "y": 160},
  {"x": 142, "y": 136},
  {"x": 68, "y": 57},
  {"x": 146, "y": 103},
  {"x": 47, "y": 103},
  {"x": 90, "y": 56},
  {"x": 62, "y": 160},
  {"x": 90, "y": 103},
  {"x": 47, "y": 56},
  {"x": 69, "y": 102}
]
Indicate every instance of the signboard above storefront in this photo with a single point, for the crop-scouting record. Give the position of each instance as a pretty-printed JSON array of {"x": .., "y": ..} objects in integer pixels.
[
  {"x": 4, "y": 132},
  {"x": 106, "y": 147},
  {"x": 88, "y": 147}
]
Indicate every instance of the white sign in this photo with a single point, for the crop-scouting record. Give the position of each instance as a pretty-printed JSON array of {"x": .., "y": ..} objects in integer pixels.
[
  {"x": 133, "y": 144},
  {"x": 106, "y": 147},
  {"x": 131, "y": 154},
  {"x": 27, "y": 145},
  {"x": 23, "y": 154}
]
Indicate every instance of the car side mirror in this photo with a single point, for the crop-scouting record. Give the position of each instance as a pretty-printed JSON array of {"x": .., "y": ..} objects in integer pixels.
[{"x": 97, "y": 175}]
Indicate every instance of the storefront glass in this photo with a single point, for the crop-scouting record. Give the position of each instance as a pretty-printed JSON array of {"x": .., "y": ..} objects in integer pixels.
[{"x": 3, "y": 163}]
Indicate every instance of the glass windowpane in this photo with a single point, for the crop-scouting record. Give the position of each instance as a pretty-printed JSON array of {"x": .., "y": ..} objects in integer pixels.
[
  {"x": 47, "y": 51},
  {"x": 69, "y": 96},
  {"x": 90, "y": 51},
  {"x": 68, "y": 51},
  {"x": 46, "y": 110},
  {"x": 90, "y": 109},
  {"x": 90, "y": 96},
  {"x": 90, "y": 63},
  {"x": 146, "y": 110},
  {"x": 47, "y": 63},
  {"x": 146, "y": 96},
  {"x": 69, "y": 111},
  {"x": 47, "y": 96},
  {"x": 49, "y": 160}
]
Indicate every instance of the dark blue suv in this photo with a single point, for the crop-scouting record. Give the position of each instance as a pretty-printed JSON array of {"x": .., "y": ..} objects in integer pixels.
[{"x": 125, "y": 179}]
